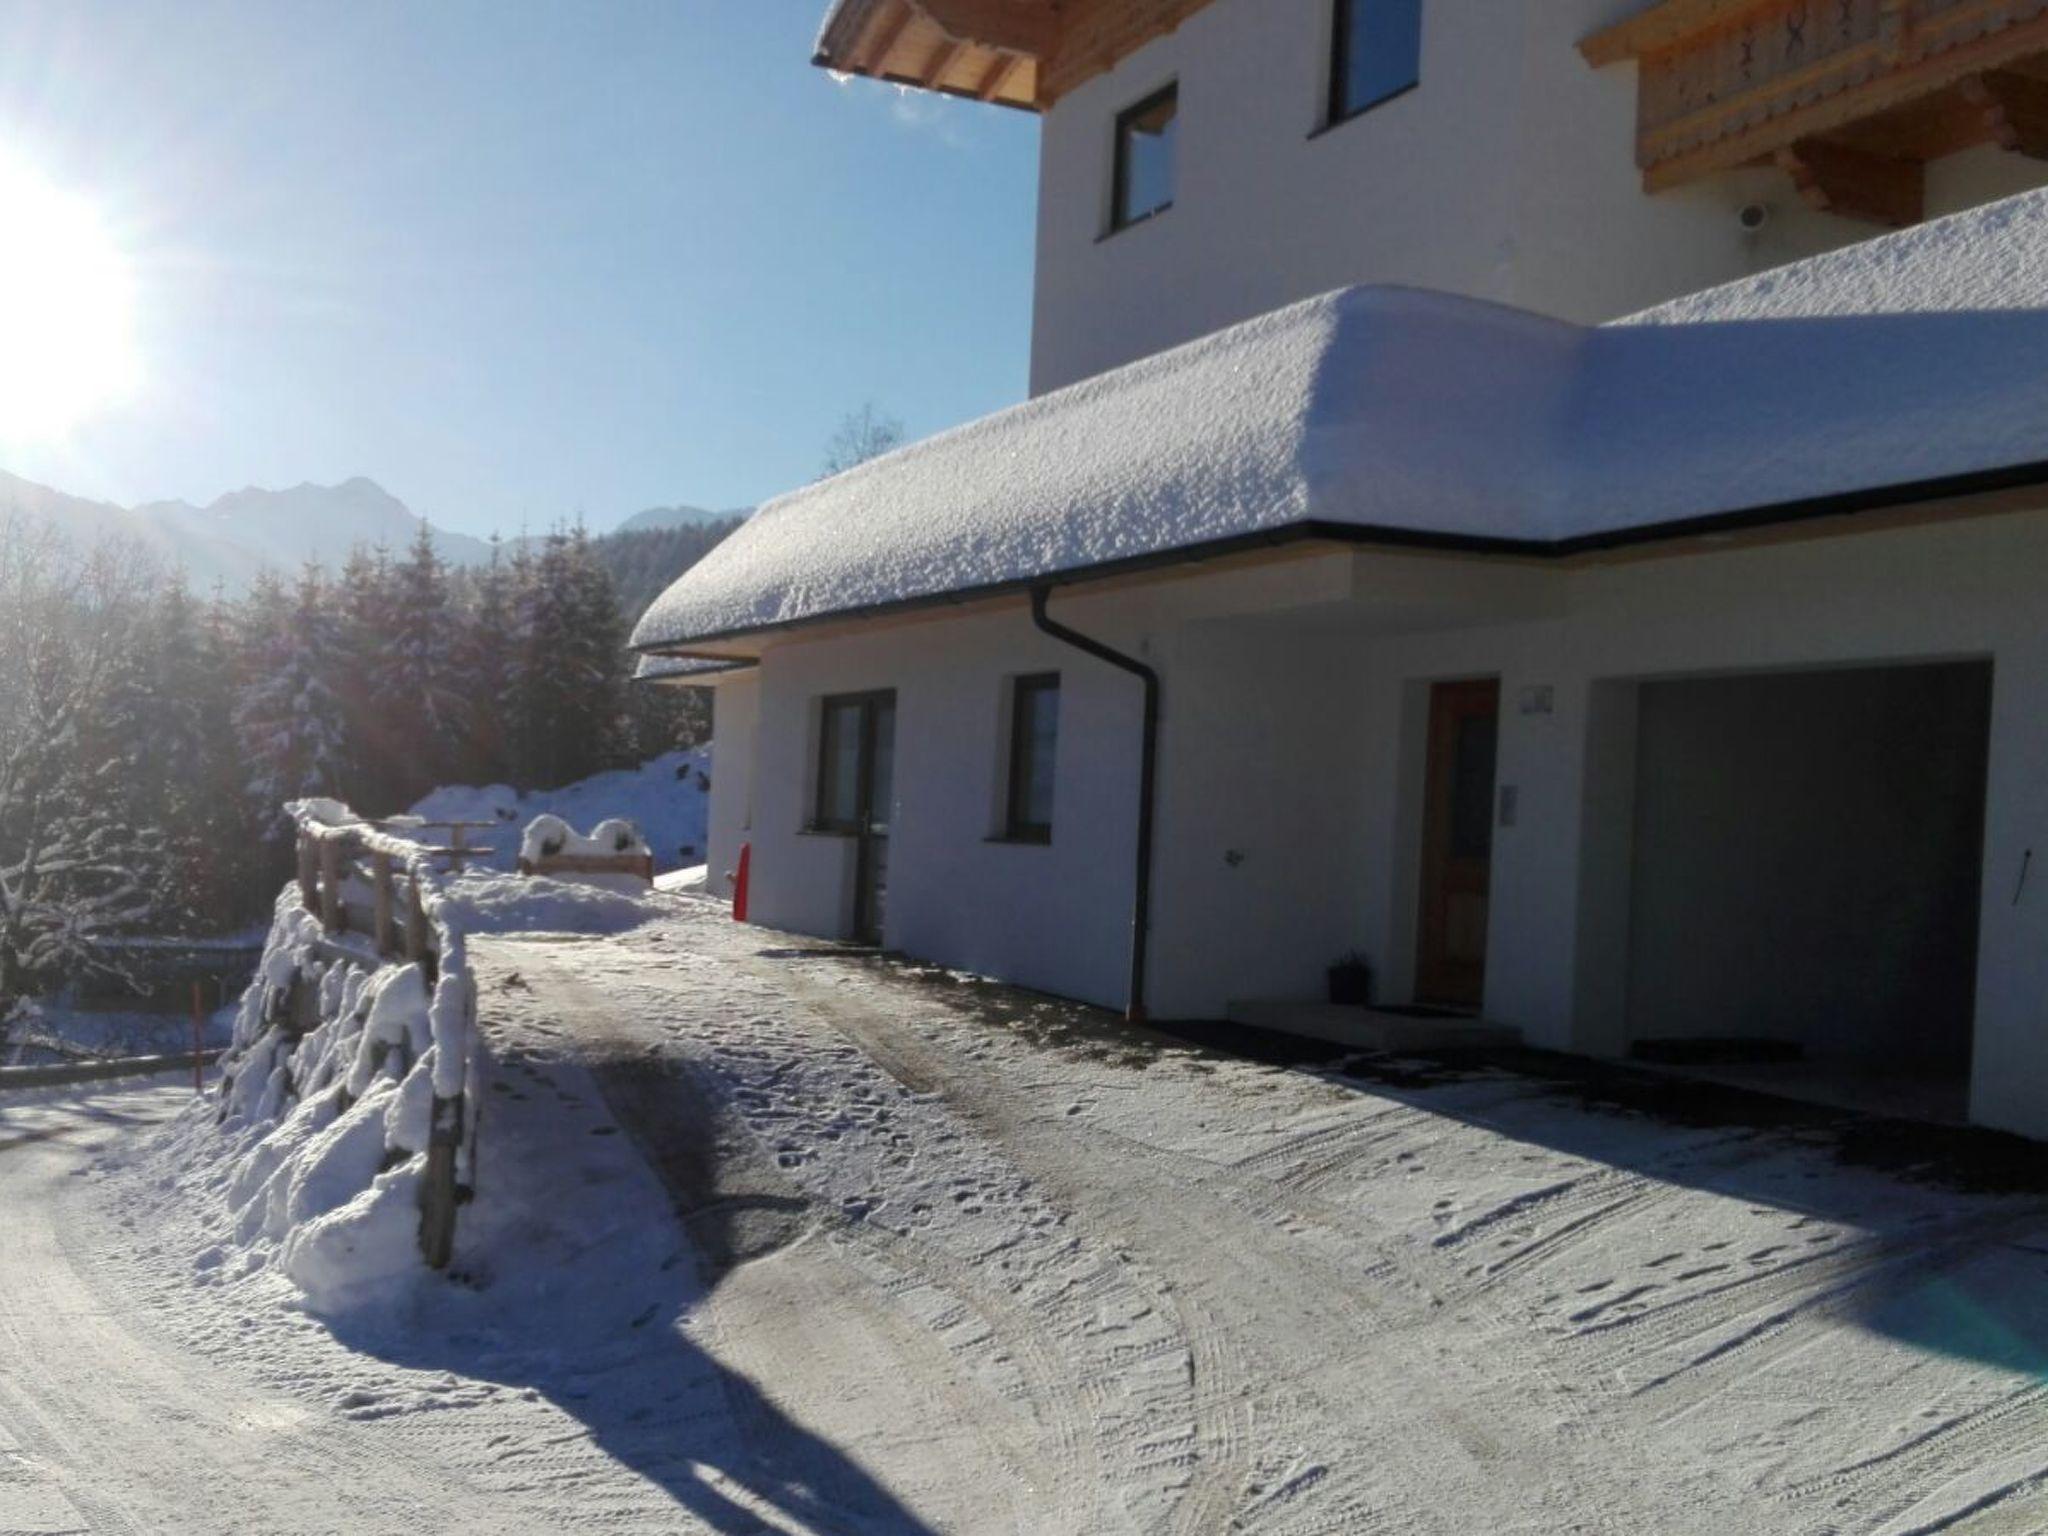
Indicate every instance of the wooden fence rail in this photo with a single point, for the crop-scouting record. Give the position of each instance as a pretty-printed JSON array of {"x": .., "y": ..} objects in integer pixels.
[{"x": 359, "y": 877}]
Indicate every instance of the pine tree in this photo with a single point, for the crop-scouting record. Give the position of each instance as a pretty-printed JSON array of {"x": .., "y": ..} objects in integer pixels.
[
  {"x": 414, "y": 687},
  {"x": 361, "y": 618},
  {"x": 144, "y": 750},
  {"x": 290, "y": 716},
  {"x": 486, "y": 668}
]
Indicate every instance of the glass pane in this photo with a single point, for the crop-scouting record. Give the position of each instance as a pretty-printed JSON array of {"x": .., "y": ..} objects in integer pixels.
[
  {"x": 1379, "y": 52},
  {"x": 1039, "y": 712},
  {"x": 882, "y": 792},
  {"x": 1472, "y": 788},
  {"x": 839, "y": 764},
  {"x": 1144, "y": 153}
]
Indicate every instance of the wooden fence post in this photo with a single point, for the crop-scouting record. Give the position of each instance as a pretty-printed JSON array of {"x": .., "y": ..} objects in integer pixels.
[
  {"x": 415, "y": 921},
  {"x": 309, "y": 873},
  {"x": 437, "y": 1192},
  {"x": 384, "y": 919},
  {"x": 457, "y": 853},
  {"x": 331, "y": 917}
]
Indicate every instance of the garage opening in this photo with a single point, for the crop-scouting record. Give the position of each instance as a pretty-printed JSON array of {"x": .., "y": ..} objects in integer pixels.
[{"x": 1806, "y": 865}]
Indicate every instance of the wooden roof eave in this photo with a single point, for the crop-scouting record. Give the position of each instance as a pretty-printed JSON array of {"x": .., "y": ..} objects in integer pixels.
[
  {"x": 980, "y": 53},
  {"x": 1664, "y": 25}
]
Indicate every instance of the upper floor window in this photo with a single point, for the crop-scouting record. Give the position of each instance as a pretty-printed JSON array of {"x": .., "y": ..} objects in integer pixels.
[
  {"x": 1034, "y": 742},
  {"x": 1376, "y": 54},
  {"x": 1144, "y": 158}
]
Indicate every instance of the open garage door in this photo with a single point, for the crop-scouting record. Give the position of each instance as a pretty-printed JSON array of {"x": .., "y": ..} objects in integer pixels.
[{"x": 1806, "y": 868}]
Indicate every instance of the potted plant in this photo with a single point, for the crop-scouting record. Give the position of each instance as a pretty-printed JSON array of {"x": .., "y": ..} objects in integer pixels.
[{"x": 1351, "y": 981}]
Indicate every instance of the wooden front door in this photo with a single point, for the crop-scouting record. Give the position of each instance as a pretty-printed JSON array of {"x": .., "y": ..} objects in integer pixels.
[
  {"x": 1457, "y": 843},
  {"x": 878, "y": 791}
]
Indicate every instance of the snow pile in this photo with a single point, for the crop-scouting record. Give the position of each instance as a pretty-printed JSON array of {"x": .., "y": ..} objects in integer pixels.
[
  {"x": 329, "y": 1098},
  {"x": 339, "y": 1067},
  {"x": 666, "y": 798},
  {"x": 1397, "y": 412},
  {"x": 484, "y": 901}
]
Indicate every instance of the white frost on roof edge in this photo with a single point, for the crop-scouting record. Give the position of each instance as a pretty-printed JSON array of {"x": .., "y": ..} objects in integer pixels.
[{"x": 1398, "y": 409}]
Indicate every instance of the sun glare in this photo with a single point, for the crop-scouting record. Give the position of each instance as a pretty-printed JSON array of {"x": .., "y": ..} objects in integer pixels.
[{"x": 66, "y": 309}]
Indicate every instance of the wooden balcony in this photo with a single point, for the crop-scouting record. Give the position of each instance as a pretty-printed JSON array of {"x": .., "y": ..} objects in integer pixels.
[
  {"x": 1852, "y": 98},
  {"x": 1016, "y": 53}
]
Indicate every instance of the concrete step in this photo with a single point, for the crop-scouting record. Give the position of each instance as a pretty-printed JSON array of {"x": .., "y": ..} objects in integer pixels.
[{"x": 1370, "y": 1029}]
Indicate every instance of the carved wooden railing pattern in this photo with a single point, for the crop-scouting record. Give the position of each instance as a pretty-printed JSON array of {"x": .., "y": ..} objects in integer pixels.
[{"x": 1725, "y": 83}]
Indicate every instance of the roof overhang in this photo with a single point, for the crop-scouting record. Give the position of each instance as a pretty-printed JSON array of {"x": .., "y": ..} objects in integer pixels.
[
  {"x": 1904, "y": 373},
  {"x": 703, "y": 659},
  {"x": 1015, "y": 53},
  {"x": 688, "y": 671}
]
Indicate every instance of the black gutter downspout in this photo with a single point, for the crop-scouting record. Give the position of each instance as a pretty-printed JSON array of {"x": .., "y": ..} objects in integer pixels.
[{"x": 1148, "y": 772}]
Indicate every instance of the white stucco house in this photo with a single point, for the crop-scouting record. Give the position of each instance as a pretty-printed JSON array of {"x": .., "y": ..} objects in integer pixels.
[{"x": 1630, "y": 682}]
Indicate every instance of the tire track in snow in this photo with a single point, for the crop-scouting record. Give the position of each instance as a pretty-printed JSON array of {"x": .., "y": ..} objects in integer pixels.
[
  {"x": 669, "y": 1103},
  {"x": 1756, "y": 1322},
  {"x": 142, "y": 1437}
]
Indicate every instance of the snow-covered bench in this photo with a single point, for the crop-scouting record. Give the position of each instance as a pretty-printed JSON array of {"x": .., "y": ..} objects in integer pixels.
[{"x": 613, "y": 849}]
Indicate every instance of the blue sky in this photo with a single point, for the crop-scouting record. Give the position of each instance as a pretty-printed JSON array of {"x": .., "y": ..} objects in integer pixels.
[{"x": 514, "y": 261}]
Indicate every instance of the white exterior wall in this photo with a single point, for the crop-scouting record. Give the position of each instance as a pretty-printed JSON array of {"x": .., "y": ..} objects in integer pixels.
[
  {"x": 1508, "y": 174},
  {"x": 1055, "y": 917},
  {"x": 1058, "y": 917},
  {"x": 735, "y": 718},
  {"x": 1291, "y": 768},
  {"x": 1558, "y": 941}
]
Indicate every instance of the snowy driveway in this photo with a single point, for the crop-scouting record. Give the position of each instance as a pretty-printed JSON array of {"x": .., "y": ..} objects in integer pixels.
[
  {"x": 955, "y": 1260},
  {"x": 1038, "y": 1275}
]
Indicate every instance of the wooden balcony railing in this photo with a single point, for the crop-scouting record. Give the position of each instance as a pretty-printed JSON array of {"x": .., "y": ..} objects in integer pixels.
[{"x": 1852, "y": 98}]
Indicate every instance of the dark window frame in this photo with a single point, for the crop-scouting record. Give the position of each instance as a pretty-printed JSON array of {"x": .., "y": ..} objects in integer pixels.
[
  {"x": 1336, "y": 109},
  {"x": 864, "y": 771},
  {"x": 1119, "y": 179},
  {"x": 1017, "y": 824}
]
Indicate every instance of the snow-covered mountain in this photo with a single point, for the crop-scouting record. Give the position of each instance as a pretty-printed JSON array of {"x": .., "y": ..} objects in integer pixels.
[{"x": 234, "y": 536}]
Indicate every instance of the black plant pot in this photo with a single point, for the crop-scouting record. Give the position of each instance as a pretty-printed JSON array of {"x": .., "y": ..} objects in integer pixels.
[{"x": 1350, "y": 984}]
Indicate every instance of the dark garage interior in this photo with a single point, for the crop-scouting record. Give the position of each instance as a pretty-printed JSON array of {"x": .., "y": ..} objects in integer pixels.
[{"x": 1806, "y": 871}]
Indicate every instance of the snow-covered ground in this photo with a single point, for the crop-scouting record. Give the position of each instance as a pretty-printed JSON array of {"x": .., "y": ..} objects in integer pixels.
[
  {"x": 667, "y": 798},
  {"x": 51, "y": 1033},
  {"x": 954, "y": 1259}
]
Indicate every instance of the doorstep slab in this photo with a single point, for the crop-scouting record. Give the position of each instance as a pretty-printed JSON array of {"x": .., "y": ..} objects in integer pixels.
[{"x": 1369, "y": 1029}]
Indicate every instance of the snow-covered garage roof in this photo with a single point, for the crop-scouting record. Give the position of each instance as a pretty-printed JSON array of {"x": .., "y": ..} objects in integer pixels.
[{"x": 1918, "y": 360}]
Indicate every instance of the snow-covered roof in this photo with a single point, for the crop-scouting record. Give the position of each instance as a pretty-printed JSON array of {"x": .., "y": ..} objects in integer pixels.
[{"x": 1420, "y": 417}]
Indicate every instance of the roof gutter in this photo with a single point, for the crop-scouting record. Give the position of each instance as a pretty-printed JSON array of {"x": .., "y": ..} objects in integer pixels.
[{"x": 1148, "y": 776}]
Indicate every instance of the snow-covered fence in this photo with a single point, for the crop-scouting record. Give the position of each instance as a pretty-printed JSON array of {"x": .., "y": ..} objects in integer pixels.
[{"x": 360, "y": 879}]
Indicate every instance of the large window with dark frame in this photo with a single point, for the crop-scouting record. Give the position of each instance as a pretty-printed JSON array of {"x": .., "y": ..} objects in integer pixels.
[
  {"x": 1143, "y": 181},
  {"x": 841, "y": 743},
  {"x": 1375, "y": 54},
  {"x": 1034, "y": 742}
]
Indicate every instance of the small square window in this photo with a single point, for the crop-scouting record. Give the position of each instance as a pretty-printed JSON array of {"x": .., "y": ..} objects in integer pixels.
[
  {"x": 1034, "y": 743},
  {"x": 1375, "y": 54},
  {"x": 1144, "y": 158}
]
